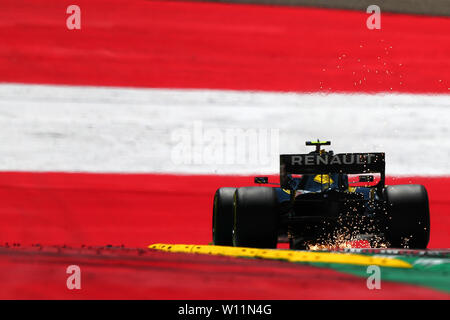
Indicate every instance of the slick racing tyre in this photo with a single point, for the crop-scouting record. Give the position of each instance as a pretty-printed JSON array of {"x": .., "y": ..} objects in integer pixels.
[
  {"x": 222, "y": 225},
  {"x": 255, "y": 218},
  {"x": 408, "y": 216}
]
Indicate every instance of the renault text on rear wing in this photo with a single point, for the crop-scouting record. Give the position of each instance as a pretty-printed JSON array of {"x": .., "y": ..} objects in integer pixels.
[{"x": 314, "y": 163}]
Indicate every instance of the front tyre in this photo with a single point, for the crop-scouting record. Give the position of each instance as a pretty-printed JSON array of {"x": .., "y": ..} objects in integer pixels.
[
  {"x": 408, "y": 216},
  {"x": 255, "y": 217}
]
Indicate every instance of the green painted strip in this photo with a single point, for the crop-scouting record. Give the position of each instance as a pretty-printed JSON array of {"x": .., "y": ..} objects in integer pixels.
[{"x": 428, "y": 272}]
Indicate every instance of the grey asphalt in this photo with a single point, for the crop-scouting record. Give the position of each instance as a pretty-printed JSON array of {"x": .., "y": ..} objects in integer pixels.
[{"x": 423, "y": 7}]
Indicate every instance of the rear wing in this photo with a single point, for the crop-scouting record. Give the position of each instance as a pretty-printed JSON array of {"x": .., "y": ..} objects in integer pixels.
[{"x": 315, "y": 163}]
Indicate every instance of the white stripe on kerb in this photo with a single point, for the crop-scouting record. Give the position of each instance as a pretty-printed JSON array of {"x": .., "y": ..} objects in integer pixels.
[{"x": 64, "y": 128}]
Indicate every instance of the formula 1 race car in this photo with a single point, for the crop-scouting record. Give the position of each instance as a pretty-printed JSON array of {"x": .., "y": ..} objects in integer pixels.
[{"x": 322, "y": 197}]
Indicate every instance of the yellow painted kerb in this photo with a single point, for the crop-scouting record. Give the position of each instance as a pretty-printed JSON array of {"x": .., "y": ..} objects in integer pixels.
[{"x": 288, "y": 255}]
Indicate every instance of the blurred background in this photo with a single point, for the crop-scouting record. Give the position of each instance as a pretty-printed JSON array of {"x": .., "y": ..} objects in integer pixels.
[{"x": 114, "y": 114}]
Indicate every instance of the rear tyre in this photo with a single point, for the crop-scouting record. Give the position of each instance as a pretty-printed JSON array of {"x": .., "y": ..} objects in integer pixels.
[
  {"x": 408, "y": 216},
  {"x": 222, "y": 225},
  {"x": 255, "y": 217}
]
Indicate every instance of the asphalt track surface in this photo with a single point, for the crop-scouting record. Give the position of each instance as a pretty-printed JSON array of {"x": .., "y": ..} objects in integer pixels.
[{"x": 187, "y": 45}]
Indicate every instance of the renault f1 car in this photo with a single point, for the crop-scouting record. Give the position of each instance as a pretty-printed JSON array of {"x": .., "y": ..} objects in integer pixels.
[{"x": 318, "y": 200}]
